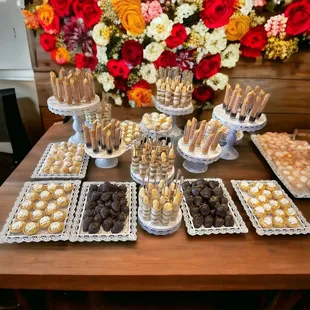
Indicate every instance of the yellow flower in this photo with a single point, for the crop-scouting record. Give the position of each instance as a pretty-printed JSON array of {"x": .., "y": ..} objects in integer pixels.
[
  {"x": 283, "y": 49},
  {"x": 61, "y": 55},
  {"x": 129, "y": 12},
  {"x": 30, "y": 20},
  {"x": 237, "y": 27},
  {"x": 45, "y": 14},
  {"x": 141, "y": 96}
]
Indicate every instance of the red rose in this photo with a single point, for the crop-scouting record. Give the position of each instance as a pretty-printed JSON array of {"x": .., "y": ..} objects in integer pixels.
[
  {"x": 298, "y": 14},
  {"x": 250, "y": 52},
  {"x": 203, "y": 94},
  {"x": 208, "y": 66},
  {"x": 61, "y": 7},
  {"x": 88, "y": 10},
  {"x": 54, "y": 27},
  {"x": 48, "y": 42},
  {"x": 120, "y": 84},
  {"x": 141, "y": 84},
  {"x": 166, "y": 59},
  {"x": 118, "y": 68},
  {"x": 255, "y": 38},
  {"x": 216, "y": 13},
  {"x": 132, "y": 52},
  {"x": 82, "y": 61},
  {"x": 177, "y": 37}
]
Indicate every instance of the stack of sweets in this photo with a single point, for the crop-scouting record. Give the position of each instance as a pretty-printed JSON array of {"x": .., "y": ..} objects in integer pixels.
[
  {"x": 174, "y": 89},
  {"x": 197, "y": 138},
  {"x": 249, "y": 102},
  {"x": 74, "y": 87},
  {"x": 104, "y": 136},
  {"x": 160, "y": 203},
  {"x": 152, "y": 158},
  {"x": 102, "y": 114}
]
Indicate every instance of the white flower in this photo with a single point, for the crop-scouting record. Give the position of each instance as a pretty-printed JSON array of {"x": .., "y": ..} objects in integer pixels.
[
  {"x": 160, "y": 28},
  {"x": 117, "y": 100},
  {"x": 107, "y": 81},
  {"x": 216, "y": 41},
  {"x": 246, "y": 7},
  {"x": 102, "y": 54},
  {"x": 153, "y": 51},
  {"x": 101, "y": 34},
  {"x": 200, "y": 28},
  {"x": 230, "y": 56},
  {"x": 217, "y": 81},
  {"x": 185, "y": 10},
  {"x": 149, "y": 73}
]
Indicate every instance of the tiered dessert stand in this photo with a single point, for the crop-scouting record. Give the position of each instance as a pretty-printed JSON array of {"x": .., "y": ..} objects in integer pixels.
[
  {"x": 155, "y": 133},
  {"x": 174, "y": 112},
  {"x": 76, "y": 111},
  {"x": 228, "y": 151},
  {"x": 196, "y": 162},
  {"x": 103, "y": 159},
  {"x": 139, "y": 179}
]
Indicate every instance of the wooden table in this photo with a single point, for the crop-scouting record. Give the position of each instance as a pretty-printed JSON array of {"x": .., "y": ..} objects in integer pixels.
[{"x": 176, "y": 262}]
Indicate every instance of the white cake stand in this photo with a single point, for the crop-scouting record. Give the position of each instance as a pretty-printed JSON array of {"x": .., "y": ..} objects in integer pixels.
[
  {"x": 229, "y": 152},
  {"x": 138, "y": 179},
  {"x": 159, "y": 229},
  {"x": 104, "y": 160},
  {"x": 196, "y": 162},
  {"x": 173, "y": 112},
  {"x": 77, "y": 112},
  {"x": 153, "y": 133}
]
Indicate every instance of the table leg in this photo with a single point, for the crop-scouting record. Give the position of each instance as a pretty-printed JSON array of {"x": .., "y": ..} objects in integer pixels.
[
  {"x": 78, "y": 137},
  {"x": 228, "y": 151}
]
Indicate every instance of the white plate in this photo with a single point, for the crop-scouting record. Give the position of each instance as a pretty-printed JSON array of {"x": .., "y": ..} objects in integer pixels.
[
  {"x": 303, "y": 229},
  {"x": 38, "y": 174},
  {"x": 276, "y": 171},
  {"x": 7, "y": 237},
  {"x": 239, "y": 225},
  {"x": 129, "y": 233}
]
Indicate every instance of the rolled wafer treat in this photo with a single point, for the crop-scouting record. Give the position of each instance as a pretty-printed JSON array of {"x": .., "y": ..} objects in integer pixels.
[
  {"x": 202, "y": 129},
  {"x": 90, "y": 79},
  {"x": 192, "y": 145},
  {"x": 257, "y": 89},
  {"x": 227, "y": 96},
  {"x": 62, "y": 73},
  {"x": 187, "y": 132},
  {"x": 216, "y": 139},
  {"x": 79, "y": 82},
  {"x": 243, "y": 110},
  {"x": 189, "y": 91},
  {"x": 262, "y": 106},
  {"x": 108, "y": 142},
  {"x": 176, "y": 205},
  {"x": 98, "y": 134},
  {"x": 102, "y": 141},
  {"x": 155, "y": 212},
  {"x": 207, "y": 144},
  {"x": 254, "y": 110},
  {"x": 166, "y": 213},
  {"x": 193, "y": 128},
  {"x": 183, "y": 97},
  {"x": 167, "y": 95},
  {"x": 87, "y": 92},
  {"x": 60, "y": 91},
  {"x": 94, "y": 141},
  {"x": 142, "y": 194},
  {"x": 248, "y": 89},
  {"x": 117, "y": 140},
  {"x": 235, "y": 107},
  {"x": 231, "y": 101},
  {"x": 67, "y": 92},
  {"x": 53, "y": 84},
  {"x": 171, "y": 158},
  {"x": 87, "y": 136},
  {"x": 251, "y": 100}
]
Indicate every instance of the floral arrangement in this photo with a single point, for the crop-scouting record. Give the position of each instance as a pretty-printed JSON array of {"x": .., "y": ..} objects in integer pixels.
[
  {"x": 65, "y": 29},
  {"x": 126, "y": 41}
]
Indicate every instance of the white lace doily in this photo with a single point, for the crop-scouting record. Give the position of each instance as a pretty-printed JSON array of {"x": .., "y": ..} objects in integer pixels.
[
  {"x": 160, "y": 230},
  {"x": 239, "y": 225},
  {"x": 174, "y": 111},
  {"x": 153, "y": 133},
  {"x": 269, "y": 160},
  {"x": 138, "y": 179},
  {"x": 304, "y": 229},
  {"x": 104, "y": 155},
  {"x": 7, "y": 237},
  {"x": 129, "y": 233},
  {"x": 197, "y": 156},
  {"x": 38, "y": 174},
  {"x": 224, "y": 119},
  {"x": 72, "y": 109}
]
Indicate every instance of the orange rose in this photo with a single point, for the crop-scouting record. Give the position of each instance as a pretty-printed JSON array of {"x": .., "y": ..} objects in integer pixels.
[
  {"x": 130, "y": 15},
  {"x": 61, "y": 55},
  {"x": 141, "y": 96},
  {"x": 45, "y": 14},
  {"x": 237, "y": 27},
  {"x": 30, "y": 20}
]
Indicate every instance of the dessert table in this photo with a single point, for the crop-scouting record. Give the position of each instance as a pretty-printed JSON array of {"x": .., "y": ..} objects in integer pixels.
[{"x": 174, "y": 262}]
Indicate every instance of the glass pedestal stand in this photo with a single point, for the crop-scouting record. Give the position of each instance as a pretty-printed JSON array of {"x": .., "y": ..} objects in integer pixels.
[
  {"x": 196, "y": 162},
  {"x": 228, "y": 151},
  {"x": 174, "y": 112},
  {"x": 77, "y": 112},
  {"x": 104, "y": 160}
]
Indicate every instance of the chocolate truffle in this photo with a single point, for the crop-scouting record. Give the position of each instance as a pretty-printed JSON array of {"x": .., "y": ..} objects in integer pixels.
[
  {"x": 88, "y": 213},
  {"x": 125, "y": 210},
  {"x": 117, "y": 227},
  {"x": 224, "y": 200},
  {"x": 93, "y": 228},
  {"x": 190, "y": 201},
  {"x": 116, "y": 206},
  {"x": 123, "y": 202},
  {"x": 107, "y": 224},
  {"x": 122, "y": 188},
  {"x": 113, "y": 214},
  {"x": 218, "y": 192},
  {"x": 106, "y": 196},
  {"x": 98, "y": 219},
  {"x": 98, "y": 209},
  {"x": 93, "y": 188},
  {"x": 91, "y": 206},
  {"x": 198, "y": 221},
  {"x": 221, "y": 211},
  {"x": 105, "y": 213},
  {"x": 205, "y": 193},
  {"x": 229, "y": 221},
  {"x": 213, "y": 201},
  {"x": 95, "y": 196},
  {"x": 219, "y": 222},
  {"x": 108, "y": 204},
  {"x": 208, "y": 222},
  {"x": 194, "y": 211},
  {"x": 121, "y": 217},
  {"x": 205, "y": 210},
  {"x": 197, "y": 200},
  {"x": 105, "y": 187}
]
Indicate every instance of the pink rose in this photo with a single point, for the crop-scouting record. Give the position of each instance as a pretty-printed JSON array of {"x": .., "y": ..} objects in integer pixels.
[{"x": 151, "y": 10}]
